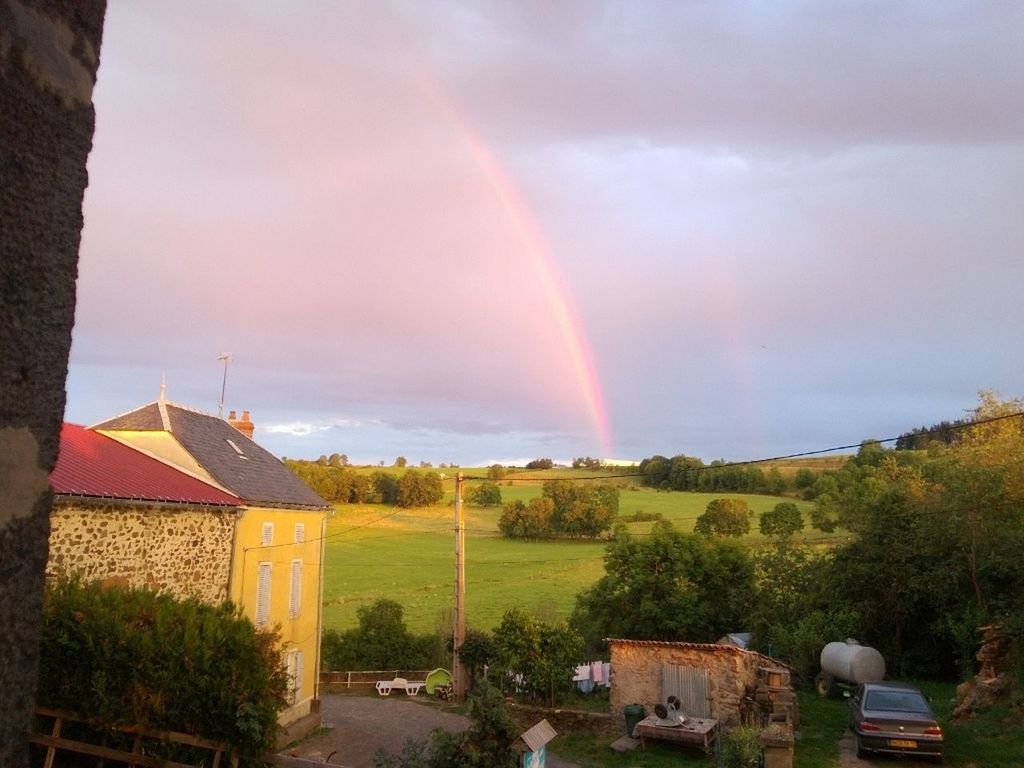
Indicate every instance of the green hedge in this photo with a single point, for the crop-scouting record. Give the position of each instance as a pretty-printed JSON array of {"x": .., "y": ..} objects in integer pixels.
[{"x": 135, "y": 657}]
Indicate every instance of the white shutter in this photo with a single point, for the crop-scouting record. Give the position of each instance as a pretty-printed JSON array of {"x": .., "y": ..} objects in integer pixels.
[
  {"x": 295, "y": 595},
  {"x": 267, "y": 536},
  {"x": 297, "y": 687},
  {"x": 263, "y": 595},
  {"x": 300, "y": 533}
]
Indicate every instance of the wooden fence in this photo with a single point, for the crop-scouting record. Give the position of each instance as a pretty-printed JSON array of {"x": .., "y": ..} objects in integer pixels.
[{"x": 53, "y": 742}]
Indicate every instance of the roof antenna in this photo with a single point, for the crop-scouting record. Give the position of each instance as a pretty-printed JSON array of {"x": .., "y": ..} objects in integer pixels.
[{"x": 226, "y": 357}]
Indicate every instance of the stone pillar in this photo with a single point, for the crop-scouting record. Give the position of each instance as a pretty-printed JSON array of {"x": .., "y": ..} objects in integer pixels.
[{"x": 48, "y": 58}]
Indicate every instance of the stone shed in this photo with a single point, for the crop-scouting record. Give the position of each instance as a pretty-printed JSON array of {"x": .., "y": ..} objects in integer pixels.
[{"x": 710, "y": 680}]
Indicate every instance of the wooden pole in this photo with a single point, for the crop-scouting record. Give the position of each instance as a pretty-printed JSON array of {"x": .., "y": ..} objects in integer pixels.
[{"x": 459, "y": 633}]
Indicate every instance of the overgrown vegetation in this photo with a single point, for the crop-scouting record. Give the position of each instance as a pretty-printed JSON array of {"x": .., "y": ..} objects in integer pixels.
[{"x": 135, "y": 657}]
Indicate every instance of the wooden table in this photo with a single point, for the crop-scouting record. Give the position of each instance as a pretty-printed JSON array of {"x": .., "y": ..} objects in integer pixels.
[{"x": 694, "y": 732}]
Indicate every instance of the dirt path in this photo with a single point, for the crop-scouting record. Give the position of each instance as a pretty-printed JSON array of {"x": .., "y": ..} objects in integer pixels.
[{"x": 356, "y": 727}]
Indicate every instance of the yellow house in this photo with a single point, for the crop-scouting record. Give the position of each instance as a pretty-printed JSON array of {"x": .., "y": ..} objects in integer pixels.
[{"x": 275, "y": 571}]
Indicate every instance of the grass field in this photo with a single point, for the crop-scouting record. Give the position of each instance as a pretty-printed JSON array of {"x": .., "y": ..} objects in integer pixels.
[{"x": 407, "y": 555}]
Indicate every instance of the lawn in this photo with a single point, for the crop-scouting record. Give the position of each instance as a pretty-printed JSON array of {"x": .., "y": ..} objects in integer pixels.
[{"x": 407, "y": 555}]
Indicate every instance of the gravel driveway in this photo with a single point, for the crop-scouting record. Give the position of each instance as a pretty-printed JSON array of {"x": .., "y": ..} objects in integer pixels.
[{"x": 355, "y": 727}]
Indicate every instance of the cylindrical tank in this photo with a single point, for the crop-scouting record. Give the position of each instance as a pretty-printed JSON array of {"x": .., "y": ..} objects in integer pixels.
[{"x": 852, "y": 662}]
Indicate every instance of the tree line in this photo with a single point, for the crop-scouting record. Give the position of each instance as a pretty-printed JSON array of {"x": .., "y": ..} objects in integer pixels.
[
  {"x": 689, "y": 473},
  {"x": 344, "y": 485}
]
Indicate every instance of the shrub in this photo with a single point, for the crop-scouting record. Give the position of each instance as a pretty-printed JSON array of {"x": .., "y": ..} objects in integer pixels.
[
  {"x": 740, "y": 748},
  {"x": 135, "y": 657}
]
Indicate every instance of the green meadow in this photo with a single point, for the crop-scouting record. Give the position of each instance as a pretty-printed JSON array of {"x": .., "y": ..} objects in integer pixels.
[{"x": 407, "y": 555}]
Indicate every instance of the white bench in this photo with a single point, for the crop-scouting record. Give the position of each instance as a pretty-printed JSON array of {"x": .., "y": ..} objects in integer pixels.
[{"x": 384, "y": 687}]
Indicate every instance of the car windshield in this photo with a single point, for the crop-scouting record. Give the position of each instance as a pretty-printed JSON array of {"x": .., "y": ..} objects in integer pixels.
[{"x": 896, "y": 701}]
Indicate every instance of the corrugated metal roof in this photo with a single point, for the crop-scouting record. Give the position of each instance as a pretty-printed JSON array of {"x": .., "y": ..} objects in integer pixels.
[{"x": 93, "y": 465}]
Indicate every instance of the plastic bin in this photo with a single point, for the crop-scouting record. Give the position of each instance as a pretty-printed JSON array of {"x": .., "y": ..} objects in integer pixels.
[{"x": 634, "y": 714}]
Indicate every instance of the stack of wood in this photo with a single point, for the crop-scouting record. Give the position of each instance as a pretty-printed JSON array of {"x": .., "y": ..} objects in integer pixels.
[{"x": 993, "y": 680}]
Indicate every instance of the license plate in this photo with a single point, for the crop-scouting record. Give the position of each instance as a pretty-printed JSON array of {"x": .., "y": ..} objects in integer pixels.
[{"x": 903, "y": 743}]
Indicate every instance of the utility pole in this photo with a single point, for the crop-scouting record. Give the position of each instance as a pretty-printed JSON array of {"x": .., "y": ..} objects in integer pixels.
[{"x": 459, "y": 633}]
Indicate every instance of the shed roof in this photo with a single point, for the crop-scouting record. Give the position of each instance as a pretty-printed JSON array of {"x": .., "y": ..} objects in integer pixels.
[
  {"x": 231, "y": 458},
  {"x": 93, "y": 465}
]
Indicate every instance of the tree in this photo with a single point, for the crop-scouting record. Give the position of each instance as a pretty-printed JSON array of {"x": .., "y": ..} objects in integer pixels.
[
  {"x": 487, "y": 494},
  {"x": 540, "y": 464},
  {"x": 783, "y": 520},
  {"x": 419, "y": 489},
  {"x": 401, "y": 461},
  {"x": 724, "y": 517},
  {"x": 538, "y": 657},
  {"x": 495, "y": 472},
  {"x": 385, "y": 487},
  {"x": 527, "y": 521},
  {"x": 669, "y": 586}
]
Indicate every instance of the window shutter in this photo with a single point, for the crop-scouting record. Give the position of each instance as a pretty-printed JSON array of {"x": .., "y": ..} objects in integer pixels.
[
  {"x": 300, "y": 533},
  {"x": 263, "y": 595},
  {"x": 297, "y": 688},
  {"x": 267, "y": 536},
  {"x": 295, "y": 596}
]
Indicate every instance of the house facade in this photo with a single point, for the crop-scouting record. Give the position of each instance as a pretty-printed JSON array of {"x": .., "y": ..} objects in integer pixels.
[
  {"x": 124, "y": 518},
  {"x": 260, "y": 545}
]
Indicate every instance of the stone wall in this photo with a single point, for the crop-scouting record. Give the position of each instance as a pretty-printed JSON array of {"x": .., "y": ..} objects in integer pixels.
[
  {"x": 49, "y": 52},
  {"x": 186, "y": 553},
  {"x": 636, "y": 674}
]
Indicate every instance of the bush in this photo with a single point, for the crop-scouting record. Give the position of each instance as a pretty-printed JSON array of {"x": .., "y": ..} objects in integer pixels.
[
  {"x": 740, "y": 748},
  {"x": 135, "y": 657},
  {"x": 381, "y": 641}
]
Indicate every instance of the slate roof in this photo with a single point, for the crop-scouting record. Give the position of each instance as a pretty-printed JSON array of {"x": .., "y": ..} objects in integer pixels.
[
  {"x": 93, "y": 465},
  {"x": 231, "y": 458}
]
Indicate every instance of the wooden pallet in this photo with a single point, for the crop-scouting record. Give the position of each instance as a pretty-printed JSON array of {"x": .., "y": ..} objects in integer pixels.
[{"x": 54, "y": 743}]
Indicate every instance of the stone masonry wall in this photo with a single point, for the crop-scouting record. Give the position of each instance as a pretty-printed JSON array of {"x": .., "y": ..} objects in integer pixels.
[
  {"x": 636, "y": 675},
  {"x": 49, "y": 52},
  {"x": 186, "y": 553}
]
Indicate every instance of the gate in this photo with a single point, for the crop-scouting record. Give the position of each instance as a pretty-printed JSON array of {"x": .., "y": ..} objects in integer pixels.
[{"x": 691, "y": 685}]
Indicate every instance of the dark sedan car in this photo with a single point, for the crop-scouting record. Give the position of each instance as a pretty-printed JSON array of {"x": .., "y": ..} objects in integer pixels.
[{"x": 894, "y": 718}]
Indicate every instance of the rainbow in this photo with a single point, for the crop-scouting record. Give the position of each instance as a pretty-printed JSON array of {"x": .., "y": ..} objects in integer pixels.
[{"x": 541, "y": 260}]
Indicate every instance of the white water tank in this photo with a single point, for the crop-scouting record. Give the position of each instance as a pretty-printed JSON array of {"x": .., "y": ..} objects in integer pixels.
[{"x": 852, "y": 662}]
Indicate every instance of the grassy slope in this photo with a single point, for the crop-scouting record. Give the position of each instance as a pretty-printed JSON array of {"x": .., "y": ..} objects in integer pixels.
[{"x": 376, "y": 551}]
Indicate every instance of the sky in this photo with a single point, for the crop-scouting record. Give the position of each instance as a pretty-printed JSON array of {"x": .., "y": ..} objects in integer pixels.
[{"x": 476, "y": 232}]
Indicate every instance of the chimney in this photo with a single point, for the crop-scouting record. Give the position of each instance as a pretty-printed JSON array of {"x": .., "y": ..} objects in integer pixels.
[{"x": 243, "y": 425}]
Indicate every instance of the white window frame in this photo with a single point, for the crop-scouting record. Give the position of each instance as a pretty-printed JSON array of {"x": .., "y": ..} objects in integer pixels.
[
  {"x": 300, "y": 533},
  {"x": 267, "y": 535}
]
